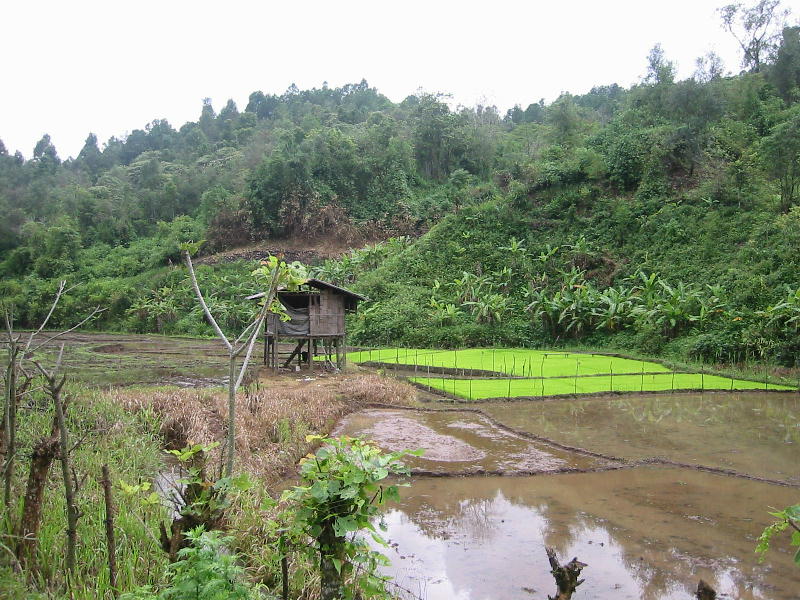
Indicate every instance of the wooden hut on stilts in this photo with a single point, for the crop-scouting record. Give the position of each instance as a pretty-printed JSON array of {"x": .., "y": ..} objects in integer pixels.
[{"x": 316, "y": 325}]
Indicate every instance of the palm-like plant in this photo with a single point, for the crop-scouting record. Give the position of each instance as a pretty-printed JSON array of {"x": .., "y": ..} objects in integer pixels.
[
  {"x": 614, "y": 309},
  {"x": 786, "y": 313},
  {"x": 490, "y": 308}
]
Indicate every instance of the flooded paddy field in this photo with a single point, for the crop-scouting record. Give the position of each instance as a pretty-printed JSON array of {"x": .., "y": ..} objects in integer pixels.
[
  {"x": 754, "y": 433},
  {"x": 646, "y": 532}
]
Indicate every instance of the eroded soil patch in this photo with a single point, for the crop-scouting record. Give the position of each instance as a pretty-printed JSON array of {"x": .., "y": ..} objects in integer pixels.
[{"x": 463, "y": 443}]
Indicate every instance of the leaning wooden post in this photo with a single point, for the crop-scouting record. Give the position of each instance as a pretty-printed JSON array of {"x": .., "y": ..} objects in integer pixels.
[
  {"x": 109, "y": 522},
  {"x": 566, "y": 576}
]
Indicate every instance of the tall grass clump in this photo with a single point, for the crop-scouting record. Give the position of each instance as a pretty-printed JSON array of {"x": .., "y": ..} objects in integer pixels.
[{"x": 104, "y": 433}]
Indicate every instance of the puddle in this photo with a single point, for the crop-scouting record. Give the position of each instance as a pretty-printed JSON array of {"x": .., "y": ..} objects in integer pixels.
[
  {"x": 758, "y": 434},
  {"x": 646, "y": 533},
  {"x": 460, "y": 443}
]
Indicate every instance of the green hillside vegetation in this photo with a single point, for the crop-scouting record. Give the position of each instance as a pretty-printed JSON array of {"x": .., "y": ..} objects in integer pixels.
[{"x": 662, "y": 218}]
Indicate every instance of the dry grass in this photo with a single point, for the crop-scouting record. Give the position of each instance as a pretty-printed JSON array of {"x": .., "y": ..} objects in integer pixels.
[{"x": 273, "y": 417}]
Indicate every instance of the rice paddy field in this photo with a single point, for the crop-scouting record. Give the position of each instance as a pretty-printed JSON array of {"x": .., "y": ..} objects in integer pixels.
[
  {"x": 518, "y": 362},
  {"x": 484, "y": 373},
  {"x": 481, "y": 389}
]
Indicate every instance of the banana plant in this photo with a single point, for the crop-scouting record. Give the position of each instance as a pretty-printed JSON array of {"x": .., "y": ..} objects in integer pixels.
[
  {"x": 784, "y": 314},
  {"x": 444, "y": 313},
  {"x": 613, "y": 311},
  {"x": 490, "y": 308}
]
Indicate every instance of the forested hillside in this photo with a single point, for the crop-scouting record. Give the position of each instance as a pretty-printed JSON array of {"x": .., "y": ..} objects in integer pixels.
[{"x": 660, "y": 215}]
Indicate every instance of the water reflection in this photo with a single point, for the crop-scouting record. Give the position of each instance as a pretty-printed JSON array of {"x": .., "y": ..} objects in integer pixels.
[
  {"x": 645, "y": 533},
  {"x": 756, "y": 433}
]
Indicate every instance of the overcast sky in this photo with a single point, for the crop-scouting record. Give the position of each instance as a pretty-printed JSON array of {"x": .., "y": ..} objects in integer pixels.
[{"x": 108, "y": 67}]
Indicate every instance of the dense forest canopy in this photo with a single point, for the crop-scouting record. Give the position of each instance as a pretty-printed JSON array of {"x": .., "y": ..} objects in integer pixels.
[{"x": 697, "y": 180}]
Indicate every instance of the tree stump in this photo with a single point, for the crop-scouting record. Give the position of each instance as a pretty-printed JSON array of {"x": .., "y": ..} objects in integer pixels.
[
  {"x": 44, "y": 453},
  {"x": 566, "y": 576},
  {"x": 705, "y": 591}
]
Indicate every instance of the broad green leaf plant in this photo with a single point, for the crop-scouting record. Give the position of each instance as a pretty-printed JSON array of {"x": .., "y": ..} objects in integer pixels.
[
  {"x": 787, "y": 518},
  {"x": 341, "y": 492}
]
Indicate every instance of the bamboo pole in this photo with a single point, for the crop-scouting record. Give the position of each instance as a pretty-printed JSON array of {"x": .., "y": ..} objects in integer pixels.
[
  {"x": 577, "y": 366},
  {"x": 641, "y": 384}
]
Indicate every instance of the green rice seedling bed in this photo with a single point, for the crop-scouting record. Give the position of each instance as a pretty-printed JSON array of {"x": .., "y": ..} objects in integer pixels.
[
  {"x": 479, "y": 389},
  {"x": 520, "y": 362}
]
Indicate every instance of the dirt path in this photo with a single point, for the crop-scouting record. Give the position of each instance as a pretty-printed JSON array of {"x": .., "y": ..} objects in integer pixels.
[{"x": 292, "y": 250}]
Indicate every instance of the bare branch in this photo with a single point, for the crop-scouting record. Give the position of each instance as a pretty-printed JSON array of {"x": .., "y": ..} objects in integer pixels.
[
  {"x": 209, "y": 316},
  {"x": 249, "y": 351},
  {"x": 9, "y": 326},
  {"x": 97, "y": 310},
  {"x": 31, "y": 391},
  {"x": 61, "y": 285},
  {"x": 253, "y": 333},
  {"x": 246, "y": 332},
  {"x": 58, "y": 360},
  {"x": 41, "y": 369}
]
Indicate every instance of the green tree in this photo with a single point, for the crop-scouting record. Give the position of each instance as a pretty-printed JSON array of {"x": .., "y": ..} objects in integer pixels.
[
  {"x": 207, "y": 121},
  {"x": 565, "y": 121},
  {"x": 756, "y": 28},
  {"x": 226, "y": 121},
  {"x": 437, "y": 139},
  {"x": 90, "y": 158},
  {"x": 263, "y": 106},
  {"x": 659, "y": 68},
  {"x": 44, "y": 153},
  {"x": 785, "y": 73},
  {"x": 708, "y": 67},
  {"x": 781, "y": 153}
]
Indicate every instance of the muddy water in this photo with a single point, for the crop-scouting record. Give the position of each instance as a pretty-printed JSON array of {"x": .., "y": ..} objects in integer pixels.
[
  {"x": 755, "y": 433},
  {"x": 646, "y": 533},
  {"x": 460, "y": 442}
]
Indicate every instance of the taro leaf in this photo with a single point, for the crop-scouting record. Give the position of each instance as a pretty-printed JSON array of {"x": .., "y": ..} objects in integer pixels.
[
  {"x": 320, "y": 491},
  {"x": 344, "y": 525}
]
